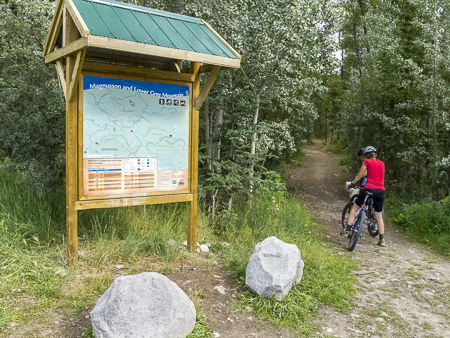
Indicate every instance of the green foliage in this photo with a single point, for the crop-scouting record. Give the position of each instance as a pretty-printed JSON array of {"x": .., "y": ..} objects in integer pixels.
[
  {"x": 395, "y": 96},
  {"x": 31, "y": 101},
  {"x": 257, "y": 117},
  {"x": 427, "y": 222},
  {"x": 201, "y": 330}
]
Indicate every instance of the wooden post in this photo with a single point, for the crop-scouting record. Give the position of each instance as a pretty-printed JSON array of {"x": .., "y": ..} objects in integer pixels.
[
  {"x": 70, "y": 34},
  {"x": 192, "y": 206}
]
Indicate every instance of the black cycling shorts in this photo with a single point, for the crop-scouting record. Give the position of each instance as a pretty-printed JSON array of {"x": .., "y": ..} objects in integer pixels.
[{"x": 378, "y": 198}]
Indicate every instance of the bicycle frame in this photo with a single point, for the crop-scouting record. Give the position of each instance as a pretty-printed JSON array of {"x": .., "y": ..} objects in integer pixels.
[{"x": 362, "y": 209}]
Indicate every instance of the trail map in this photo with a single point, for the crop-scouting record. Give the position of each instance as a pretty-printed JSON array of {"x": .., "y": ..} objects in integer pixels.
[{"x": 135, "y": 136}]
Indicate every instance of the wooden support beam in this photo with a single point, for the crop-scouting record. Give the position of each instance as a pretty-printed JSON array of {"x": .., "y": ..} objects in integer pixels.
[
  {"x": 77, "y": 18},
  {"x": 158, "y": 51},
  {"x": 193, "y": 206},
  {"x": 206, "y": 87},
  {"x": 223, "y": 40},
  {"x": 124, "y": 202},
  {"x": 68, "y": 49},
  {"x": 61, "y": 75},
  {"x": 175, "y": 65},
  {"x": 76, "y": 72},
  {"x": 204, "y": 69},
  {"x": 125, "y": 61},
  {"x": 96, "y": 67},
  {"x": 55, "y": 28},
  {"x": 70, "y": 33}
]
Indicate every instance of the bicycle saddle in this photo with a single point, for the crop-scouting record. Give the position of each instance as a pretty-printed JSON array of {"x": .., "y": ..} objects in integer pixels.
[{"x": 369, "y": 193}]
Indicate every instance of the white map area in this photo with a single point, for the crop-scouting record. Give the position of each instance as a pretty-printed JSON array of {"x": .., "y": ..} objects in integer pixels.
[{"x": 119, "y": 123}]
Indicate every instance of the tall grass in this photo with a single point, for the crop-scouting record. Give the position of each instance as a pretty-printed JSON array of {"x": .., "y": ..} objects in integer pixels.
[
  {"x": 33, "y": 247},
  {"x": 326, "y": 275},
  {"x": 32, "y": 252},
  {"x": 427, "y": 222},
  {"x": 124, "y": 234}
]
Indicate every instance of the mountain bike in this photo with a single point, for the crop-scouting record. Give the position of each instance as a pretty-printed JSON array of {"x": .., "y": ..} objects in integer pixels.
[
  {"x": 370, "y": 220},
  {"x": 357, "y": 228}
]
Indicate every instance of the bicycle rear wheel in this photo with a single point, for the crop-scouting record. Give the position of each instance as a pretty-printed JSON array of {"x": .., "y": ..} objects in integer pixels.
[
  {"x": 373, "y": 226},
  {"x": 356, "y": 231},
  {"x": 346, "y": 213}
]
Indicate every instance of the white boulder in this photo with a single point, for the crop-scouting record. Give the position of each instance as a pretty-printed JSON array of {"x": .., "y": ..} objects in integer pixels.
[
  {"x": 143, "y": 306},
  {"x": 274, "y": 268}
]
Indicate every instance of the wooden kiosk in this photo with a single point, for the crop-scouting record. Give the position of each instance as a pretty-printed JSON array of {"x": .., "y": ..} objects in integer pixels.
[{"x": 132, "y": 110}]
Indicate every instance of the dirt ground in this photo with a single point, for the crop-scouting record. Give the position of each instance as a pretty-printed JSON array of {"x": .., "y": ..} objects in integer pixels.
[{"x": 403, "y": 289}]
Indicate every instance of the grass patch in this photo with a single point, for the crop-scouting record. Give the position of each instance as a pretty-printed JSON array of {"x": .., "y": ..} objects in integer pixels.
[
  {"x": 381, "y": 318},
  {"x": 426, "y": 222},
  {"x": 201, "y": 330},
  {"x": 285, "y": 167},
  {"x": 413, "y": 273},
  {"x": 33, "y": 252},
  {"x": 336, "y": 148},
  {"x": 322, "y": 284}
]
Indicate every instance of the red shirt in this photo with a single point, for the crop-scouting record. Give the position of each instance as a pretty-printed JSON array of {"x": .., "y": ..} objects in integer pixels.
[{"x": 375, "y": 174}]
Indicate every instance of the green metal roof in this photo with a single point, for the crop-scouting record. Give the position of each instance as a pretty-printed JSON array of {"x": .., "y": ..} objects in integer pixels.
[{"x": 129, "y": 22}]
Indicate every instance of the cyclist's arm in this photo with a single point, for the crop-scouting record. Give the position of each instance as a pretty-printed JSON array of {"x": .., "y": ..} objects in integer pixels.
[{"x": 362, "y": 173}]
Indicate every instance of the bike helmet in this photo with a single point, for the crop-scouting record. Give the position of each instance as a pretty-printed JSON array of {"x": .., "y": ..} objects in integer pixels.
[{"x": 369, "y": 149}]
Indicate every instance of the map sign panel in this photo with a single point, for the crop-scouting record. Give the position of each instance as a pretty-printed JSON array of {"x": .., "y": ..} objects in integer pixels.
[{"x": 135, "y": 136}]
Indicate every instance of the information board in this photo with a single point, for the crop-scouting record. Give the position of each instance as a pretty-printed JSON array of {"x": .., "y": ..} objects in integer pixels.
[{"x": 135, "y": 136}]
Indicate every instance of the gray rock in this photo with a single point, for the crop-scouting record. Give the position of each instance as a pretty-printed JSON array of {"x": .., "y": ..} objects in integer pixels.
[
  {"x": 220, "y": 289},
  {"x": 427, "y": 293},
  {"x": 61, "y": 271},
  {"x": 143, "y": 306},
  {"x": 274, "y": 268},
  {"x": 204, "y": 248}
]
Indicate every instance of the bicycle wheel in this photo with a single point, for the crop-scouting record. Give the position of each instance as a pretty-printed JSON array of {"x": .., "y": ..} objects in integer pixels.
[
  {"x": 346, "y": 213},
  {"x": 356, "y": 231},
  {"x": 373, "y": 226}
]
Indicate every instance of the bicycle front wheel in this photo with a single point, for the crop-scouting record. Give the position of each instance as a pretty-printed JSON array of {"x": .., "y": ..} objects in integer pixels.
[
  {"x": 346, "y": 214},
  {"x": 356, "y": 231}
]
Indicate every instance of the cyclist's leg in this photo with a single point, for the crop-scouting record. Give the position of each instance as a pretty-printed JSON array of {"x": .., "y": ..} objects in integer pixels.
[
  {"x": 380, "y": 222},
  {"x": 352, "y": 216},
  {"x": 358, "y": 202},
  {"x": 378, "y": 199}
]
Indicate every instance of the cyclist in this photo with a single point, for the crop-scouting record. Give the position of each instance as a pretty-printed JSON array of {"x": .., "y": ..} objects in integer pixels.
[
  {"x": 374, "y": 170},
  {"x": 362, "y": 156},
  {"x": 355, "y": 191}
]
